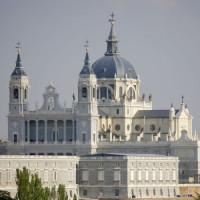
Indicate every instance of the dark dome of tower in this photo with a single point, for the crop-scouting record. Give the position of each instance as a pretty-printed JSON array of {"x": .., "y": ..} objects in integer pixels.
[
  {"x": 109, "y": 65},
  {"x": 112, "y": 63}
]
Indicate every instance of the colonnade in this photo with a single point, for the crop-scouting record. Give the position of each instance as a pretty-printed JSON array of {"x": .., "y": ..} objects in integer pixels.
[{"x": 55, "y": 130}]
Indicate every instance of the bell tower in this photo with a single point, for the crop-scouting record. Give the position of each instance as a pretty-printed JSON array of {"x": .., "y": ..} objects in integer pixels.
[
  {"x": 18, "y": 100},
  {"x": 87, "y": 112},
  {"x": 19, "y": 89}
]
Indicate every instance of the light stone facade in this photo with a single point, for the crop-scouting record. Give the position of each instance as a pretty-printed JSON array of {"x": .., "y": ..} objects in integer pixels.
[
  {"x": 53, "y": 170},
  {"x": 127, "y": 176},
  {"x": 109, "y": 115}
]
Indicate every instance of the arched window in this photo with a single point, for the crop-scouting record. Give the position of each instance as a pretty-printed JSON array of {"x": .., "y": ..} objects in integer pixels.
[
  {"x": 25, "y": 94},
  {"x": 93, "y": 93},
  {"x": 104, "y": 93},
  {"x": 131, "y": 93},
  {"x": 50, "y": 103},
  {"x": 15, "y": 137},
  {"x": 84, "y": 92},
  {"x": 120, "y": 92},
  {"x": 16, "y": 93}
]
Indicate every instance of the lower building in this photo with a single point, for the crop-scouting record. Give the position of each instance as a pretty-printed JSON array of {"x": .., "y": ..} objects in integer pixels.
[
  {"x": 128, "y": 176},
  {"x": 53, "y": 170},
  {"x": 99, "y": 175}
]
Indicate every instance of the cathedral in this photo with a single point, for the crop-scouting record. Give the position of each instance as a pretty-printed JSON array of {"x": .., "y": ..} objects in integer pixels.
[{"x": 109, "y": 116}]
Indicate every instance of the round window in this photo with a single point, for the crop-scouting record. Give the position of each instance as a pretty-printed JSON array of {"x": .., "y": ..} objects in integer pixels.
[
  {"x": 152, "y": 127},
  {"x": 128, "y": 127},
  {"x": 137, "y": 127},
  {"x": 117, "y": 127}
]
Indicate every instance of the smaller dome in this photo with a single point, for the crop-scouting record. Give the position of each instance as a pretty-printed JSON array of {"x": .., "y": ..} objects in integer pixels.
[{"x": 108, "y": 66}]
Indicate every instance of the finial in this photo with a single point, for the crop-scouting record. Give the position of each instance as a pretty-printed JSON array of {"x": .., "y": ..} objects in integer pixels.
[
  {"x": 172, "y": 105},
  {"x": 18, "y": 47},
  {"x": 87, "y": 45},
  {"x": 112, "y": 20},
  {"x": 182, "y": 99}
]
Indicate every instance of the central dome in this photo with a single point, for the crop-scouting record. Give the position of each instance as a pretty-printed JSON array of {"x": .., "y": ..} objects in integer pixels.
[
  {"x": 109, "y": 65},
  {"x": 112, "y": 64}
]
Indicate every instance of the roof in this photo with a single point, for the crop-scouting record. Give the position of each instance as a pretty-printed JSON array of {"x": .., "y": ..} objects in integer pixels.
[
  {"x": 125, "y": 154},
  {"x": 153, "y": 113},
  {"x": 18, "y": 71},
  {"x": 108, "y": 66}
]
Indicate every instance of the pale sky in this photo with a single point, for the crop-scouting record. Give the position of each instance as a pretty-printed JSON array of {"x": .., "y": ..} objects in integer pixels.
[{"x": 159, "y": 37}]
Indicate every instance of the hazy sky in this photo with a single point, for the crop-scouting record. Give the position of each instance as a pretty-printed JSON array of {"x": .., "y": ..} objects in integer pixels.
[{"x": 161, "y": 38}]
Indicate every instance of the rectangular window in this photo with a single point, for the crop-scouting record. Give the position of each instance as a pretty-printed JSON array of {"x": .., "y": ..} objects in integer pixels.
[
  {"x": 116, "y": 192},
  {"x": 85, "y": 193},
  {"x": 116, "y": 175},
  {"x": 161, "y": 175},
  {"x": 153, "y": 175},
  {"x": 85, "y": 175},
  {"x": 54, "y": 176},
  {"x": 139, "y": 175},
  {"x": 94, "y": 139},
  {"x": 100, "y": 175},
  {"x": 132, "y": 175},
  {"x": 146, "y": 175},
  {"x": 70, "y": 175},
  {"x": 167, "y": 175},
  {"x": 45, "y": 176},
  {"x": 0, "y": 177},
  {"x": 8, "y": 177},
  {"x": 84, "y": 137},
  {"x": 15, "y": 137},
  {"x": 174, "y": 175},
  {"x": 101, "y": 192},
  {"x": 70, "y": 193},
  {"x": 117, "y": 111}
]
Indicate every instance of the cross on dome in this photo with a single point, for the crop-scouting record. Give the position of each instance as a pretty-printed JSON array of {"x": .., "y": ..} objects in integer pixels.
[
  {"x": 18, "y": 47},
  {"x": 87, "y": 45},
  {"x": 112, "y": 20}
]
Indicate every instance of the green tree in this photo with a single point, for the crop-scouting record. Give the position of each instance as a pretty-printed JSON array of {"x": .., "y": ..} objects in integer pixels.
[
  {"x": 4, "y": 195},
  {"x": 22, "y": 182},
  {"x": 61, "y": 193},
  {"x": 53, "y": 193},
  {"x": 197, "y": 197},
  {"x": 47, "y": 193},
  {"x": 29, "y": 187},
  {"x": 75, "y": 197},
  {"x": 35, "y": 188}
]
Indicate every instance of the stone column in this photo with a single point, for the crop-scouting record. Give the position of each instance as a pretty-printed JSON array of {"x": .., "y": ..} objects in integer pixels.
[
  {"x": 64, "y": 132},
  {"x": 36, "y": 130},
  {"x": 28, "y": 131},
  {"x": 45, "y": 131},
  {"x": 73, "y": 132},
  {"x": 56, "y": 130}
]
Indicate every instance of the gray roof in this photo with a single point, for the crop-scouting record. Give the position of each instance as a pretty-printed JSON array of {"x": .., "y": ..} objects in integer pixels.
[
  {"x": 153, "y": 113},
  {"x": 86, "y": 68},
  {"x": 124, "y": 154},
  {"x": 108, "y": 66},
  {"x": 18, "y": 71}
]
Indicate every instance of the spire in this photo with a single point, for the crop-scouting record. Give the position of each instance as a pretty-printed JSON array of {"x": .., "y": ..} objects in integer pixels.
[
  {"x": 86, "y": 68},
  {"x": 112, "y": 41},
  {"x": 18, "y": 67},
  {"x": 87, "y": 58}
]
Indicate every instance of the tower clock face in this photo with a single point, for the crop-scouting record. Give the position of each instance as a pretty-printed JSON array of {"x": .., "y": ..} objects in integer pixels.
[{"x": 16, "y": 93}]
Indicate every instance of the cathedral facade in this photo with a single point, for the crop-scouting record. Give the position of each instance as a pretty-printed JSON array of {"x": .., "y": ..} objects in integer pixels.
[{"x": 109, "y": 116}]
